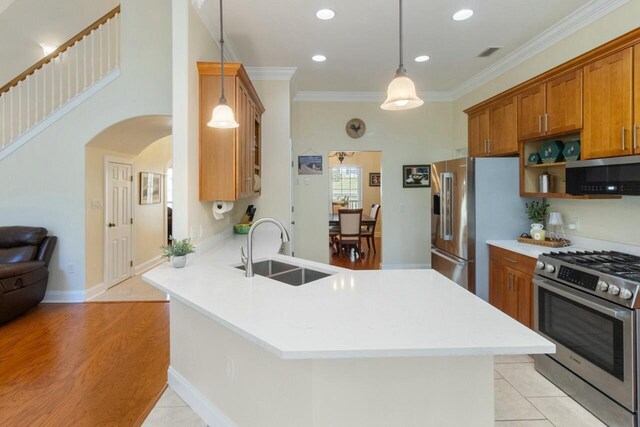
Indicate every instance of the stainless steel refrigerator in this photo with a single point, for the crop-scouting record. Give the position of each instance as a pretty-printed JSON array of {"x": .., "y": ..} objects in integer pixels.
[{"x": 473, "y": 200}]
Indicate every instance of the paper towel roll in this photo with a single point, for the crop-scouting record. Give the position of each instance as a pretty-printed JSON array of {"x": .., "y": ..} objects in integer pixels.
[{"x": 220, "y": 208}]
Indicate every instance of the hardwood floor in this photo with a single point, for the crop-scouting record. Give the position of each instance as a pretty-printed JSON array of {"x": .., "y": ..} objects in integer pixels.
[
  {"x": 371, "y": 261},
  {"x": 93, "y": 364}
]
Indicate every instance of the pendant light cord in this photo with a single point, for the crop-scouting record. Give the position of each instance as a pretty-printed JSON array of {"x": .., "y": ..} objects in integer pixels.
[
  {"x": 222, "y": 98},
  {"x": 401, "y": 67}
]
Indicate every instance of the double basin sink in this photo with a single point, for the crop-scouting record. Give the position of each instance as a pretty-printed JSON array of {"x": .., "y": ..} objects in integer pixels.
[{"x": 290, "y": 274}]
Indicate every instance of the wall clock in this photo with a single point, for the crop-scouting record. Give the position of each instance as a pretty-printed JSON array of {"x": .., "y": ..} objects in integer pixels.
[{"x": 355, "y": 128}]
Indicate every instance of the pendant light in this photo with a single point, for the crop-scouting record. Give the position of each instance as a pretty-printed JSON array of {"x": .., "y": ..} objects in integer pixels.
[
  {"x": 222, "y": 116},
  {"x": 401, "y": 93}
]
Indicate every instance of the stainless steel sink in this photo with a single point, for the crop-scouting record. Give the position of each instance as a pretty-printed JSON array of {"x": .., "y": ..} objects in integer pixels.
[
  {"x": 299, "y": 277},
  {"x": 293, "y": 275},
  {"x": 270, "y": 267}
]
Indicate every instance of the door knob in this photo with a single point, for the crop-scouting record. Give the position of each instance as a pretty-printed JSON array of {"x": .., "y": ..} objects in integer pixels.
[{"x": 111, "y": 225}]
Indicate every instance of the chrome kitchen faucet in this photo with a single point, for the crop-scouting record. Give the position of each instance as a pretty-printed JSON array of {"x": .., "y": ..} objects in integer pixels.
[{"x": 247, "y": 259}]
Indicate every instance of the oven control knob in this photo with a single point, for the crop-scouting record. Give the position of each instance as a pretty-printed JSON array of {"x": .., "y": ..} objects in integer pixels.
[
  {"x": 626, "y": 294},
  {"x": 540, "y": 265},
  {"x": 602, "y": 286},
  {"x": 614, "y": 290},
  {"x": 549, "y": 268}
]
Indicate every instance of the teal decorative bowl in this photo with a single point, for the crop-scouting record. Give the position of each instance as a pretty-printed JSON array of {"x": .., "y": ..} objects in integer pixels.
[
  {"x": 534, "y": 159},
  {"x": 241, "y": 228},
  {"x": 571, "y": 151},
  {"x": 552, "y": 152}
]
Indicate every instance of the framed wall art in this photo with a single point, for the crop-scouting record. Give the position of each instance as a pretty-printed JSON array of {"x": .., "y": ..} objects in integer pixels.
[
  {"x": 416, "y": 176},
  {"x": 150, "y": 188}
]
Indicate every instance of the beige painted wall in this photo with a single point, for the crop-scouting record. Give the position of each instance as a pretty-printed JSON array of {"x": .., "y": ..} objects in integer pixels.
[
  {"x": 603, "y": 219},
  {"x": 55, "y": 197},
  {"x": 149, "y": 220},
  {"x": 419, "y": 136},
  {"x": 276, "y": 133},
  {"x": 369, "y": 161}
]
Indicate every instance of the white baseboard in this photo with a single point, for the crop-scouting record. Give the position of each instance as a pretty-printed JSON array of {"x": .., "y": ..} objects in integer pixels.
[
  {"x": 405, "y": 266},
  {"x": 206, "y": 410},
  {"x": 148, "y": 265},
  {"x": 74, "y": 296}
]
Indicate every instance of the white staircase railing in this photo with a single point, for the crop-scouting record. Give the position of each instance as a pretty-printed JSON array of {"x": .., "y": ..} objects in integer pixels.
[{"x": 34, "y": 97}]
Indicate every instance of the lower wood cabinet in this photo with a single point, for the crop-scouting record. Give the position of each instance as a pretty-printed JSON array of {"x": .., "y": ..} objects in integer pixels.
[{"x": 511, "y": 284}]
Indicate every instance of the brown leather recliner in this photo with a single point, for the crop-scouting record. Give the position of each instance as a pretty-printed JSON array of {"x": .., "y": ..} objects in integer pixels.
[{"x": 25, "y": 253}]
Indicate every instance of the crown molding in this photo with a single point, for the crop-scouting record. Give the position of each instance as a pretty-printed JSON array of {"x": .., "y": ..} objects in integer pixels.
[
  {"x": 318, "y": 96},
  {"x": 206, "y": 13},
  {"x": 271, "y": 73},
  {"x": 573, "y": 23}
]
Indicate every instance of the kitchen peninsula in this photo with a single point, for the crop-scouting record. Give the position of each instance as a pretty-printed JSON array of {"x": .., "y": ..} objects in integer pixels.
[{"x": 356, "y": 348}]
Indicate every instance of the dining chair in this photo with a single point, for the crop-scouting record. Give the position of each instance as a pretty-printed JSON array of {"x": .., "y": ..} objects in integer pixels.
[
  {"x": 350, "y": 230},
  {"x": 369, "y": 232}
]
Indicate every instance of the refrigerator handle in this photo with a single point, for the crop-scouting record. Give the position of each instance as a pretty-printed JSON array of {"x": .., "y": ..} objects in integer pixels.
[{"x": 446, "y": 220}]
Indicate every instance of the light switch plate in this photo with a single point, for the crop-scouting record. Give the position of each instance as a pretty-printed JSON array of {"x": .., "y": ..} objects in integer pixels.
[{"x": 96, "y": 204}]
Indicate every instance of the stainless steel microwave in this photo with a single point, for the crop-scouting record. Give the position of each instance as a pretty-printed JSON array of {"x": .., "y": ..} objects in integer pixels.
[{"x": 615, "y": 175}]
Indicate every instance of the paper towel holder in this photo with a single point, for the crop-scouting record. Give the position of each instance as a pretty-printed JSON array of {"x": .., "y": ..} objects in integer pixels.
[{"x": 221, "y": 207}]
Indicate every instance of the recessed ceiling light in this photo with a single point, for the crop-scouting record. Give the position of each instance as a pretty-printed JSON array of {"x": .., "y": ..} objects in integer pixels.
[
  {"x": 319, "y": 58},
  {"x": 422, "y": 58},
  {"x": 463, "y": 14},
  {"x": 325, "y": 14},
  {"x": 48, "y": 49}
]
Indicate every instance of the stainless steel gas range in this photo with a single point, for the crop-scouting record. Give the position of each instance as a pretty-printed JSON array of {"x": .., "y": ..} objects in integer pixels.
[{"x": 587, "y": 304}]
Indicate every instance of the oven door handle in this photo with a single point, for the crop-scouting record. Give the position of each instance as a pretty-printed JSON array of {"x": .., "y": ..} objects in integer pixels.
[{"x": 600, "y": 306}]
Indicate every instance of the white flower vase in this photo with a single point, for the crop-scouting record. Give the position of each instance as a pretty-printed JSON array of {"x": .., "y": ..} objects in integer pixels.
[
  {"x": 537, "y": 231},
  {"x": 179, "y": 261}
]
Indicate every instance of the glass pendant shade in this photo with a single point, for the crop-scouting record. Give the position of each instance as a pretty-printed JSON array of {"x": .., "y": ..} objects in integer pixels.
[
  {"x": 401, "y": 94},
  {"x": 222, "y": 117}
]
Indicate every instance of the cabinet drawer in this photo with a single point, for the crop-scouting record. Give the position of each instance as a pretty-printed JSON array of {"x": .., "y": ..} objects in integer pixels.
[{"x": 514, "y": 260}]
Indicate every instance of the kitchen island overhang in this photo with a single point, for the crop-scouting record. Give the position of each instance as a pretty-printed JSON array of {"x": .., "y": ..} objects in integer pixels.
[{"x": 369, "y": 348}]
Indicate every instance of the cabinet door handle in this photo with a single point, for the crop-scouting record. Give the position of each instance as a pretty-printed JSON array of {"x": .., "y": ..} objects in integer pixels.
[
  {"x": 624, "y": 144},
  {"x": 635, "y": 136},
  {"x": 489, "y": 143},
  {"x": 546, "y": 122},
  {"x": 539, "y": 123},
  {"x": 486, "y": 146},
  {"x": 511, "y": 260}
]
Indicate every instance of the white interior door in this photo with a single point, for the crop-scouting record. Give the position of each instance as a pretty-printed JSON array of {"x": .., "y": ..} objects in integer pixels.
[{"x": 119, "y": 220}]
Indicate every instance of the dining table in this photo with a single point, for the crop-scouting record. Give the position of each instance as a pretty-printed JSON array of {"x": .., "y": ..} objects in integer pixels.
[{"x": 334, "y": 220}]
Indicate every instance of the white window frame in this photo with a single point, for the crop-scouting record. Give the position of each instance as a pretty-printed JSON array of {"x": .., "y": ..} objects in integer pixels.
[{"x": 359, "y": 173}]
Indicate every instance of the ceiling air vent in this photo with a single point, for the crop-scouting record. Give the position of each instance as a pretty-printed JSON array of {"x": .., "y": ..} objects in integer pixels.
[{"x": 489, "y": 51}]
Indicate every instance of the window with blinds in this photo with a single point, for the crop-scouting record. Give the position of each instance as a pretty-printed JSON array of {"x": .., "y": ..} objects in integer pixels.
[{"x": 347, "y": 181}]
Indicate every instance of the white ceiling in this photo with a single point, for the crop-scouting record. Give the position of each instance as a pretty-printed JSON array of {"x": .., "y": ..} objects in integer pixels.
[
  {"x": 361, "y": 43},
  {"x": 24, "y": 24}
]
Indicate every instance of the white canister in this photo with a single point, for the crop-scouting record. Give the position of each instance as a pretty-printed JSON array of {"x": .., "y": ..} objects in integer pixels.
[{"x": 537, "y": 231}]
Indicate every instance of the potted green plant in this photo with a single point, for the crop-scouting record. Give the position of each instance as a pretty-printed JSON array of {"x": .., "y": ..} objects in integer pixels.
[
  {"x": 178, "y": 251},
  {"x": 537, "y": 212}
]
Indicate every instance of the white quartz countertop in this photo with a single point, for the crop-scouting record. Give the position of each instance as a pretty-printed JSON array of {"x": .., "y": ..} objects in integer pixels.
[
  {"x": 527, "y": 249},
  {"x": 351, "y": 314}
]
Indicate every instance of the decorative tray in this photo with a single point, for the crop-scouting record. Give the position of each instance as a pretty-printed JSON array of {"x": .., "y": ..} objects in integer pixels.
[{"x": 546, "y": 242}]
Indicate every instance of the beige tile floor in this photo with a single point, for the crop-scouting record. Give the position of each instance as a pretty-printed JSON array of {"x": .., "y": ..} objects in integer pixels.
[
  {"x": 133, "y": 289},
  {"x": 524, "y": 398}
]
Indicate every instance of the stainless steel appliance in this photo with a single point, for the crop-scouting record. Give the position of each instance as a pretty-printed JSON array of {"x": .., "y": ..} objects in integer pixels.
[
  {"x": 587, "y": 304},
  {"x": 615, "y": 175},
  {"x": 473, "y": 200}
]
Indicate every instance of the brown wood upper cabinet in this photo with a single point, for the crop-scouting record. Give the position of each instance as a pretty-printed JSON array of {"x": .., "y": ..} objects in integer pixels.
[
  {"x": 503, "y": 127},
  {"x": 479, "y": 133},
  {"x": 230, "y": 159},
  {"x": 608, "y": 106},
  {"x": 551, "y": 108},
  {"x": 635, "y": 137}
]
